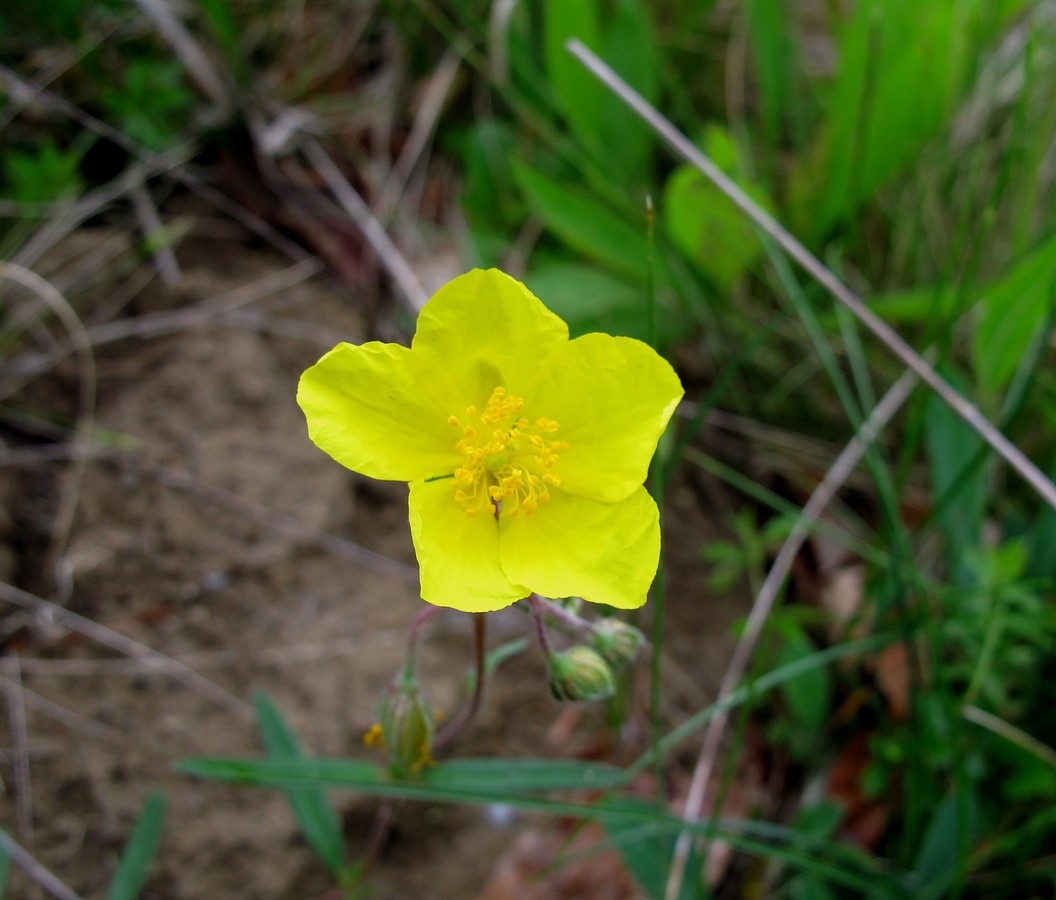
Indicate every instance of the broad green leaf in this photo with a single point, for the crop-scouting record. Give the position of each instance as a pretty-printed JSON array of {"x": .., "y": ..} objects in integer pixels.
[
  {"x": 647, "y": 849},
  {"x": 590, "y": 299},
  {"x": 808, "y": 887},
  {"x": 315, "y": 815},
  {"x": 704, "y": 224},
  {"x": 631, "y": 50},
  {"x": 1011, "y": 312},
  {"x": 1042, "y": 563},
  {"x": 580, "y": 96},
  {"x": 917, "y": 306},
  {"x": 139, "y": 852},
  {"x": 489, "y": 197},
  {"x": 770, "y": 32},
  {"x": 808, "y": 695},
  {"x": 902, "y": 68},
  {"x": 951, "y": 832},
  {"x": 960, "y": 487},
  {"x": 5, "y": 869},
  {"x": 583, "y": 222}
]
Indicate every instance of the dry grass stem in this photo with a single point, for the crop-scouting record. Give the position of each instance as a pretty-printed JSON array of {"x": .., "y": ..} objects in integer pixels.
[
  {"x": 183, "y": 481},
  {"x": 764, "y": 604},
  {"x": 43, "y": 877},
  {"x": 811, "y": 264},
  {"x": 107, "y": 637},
  {"x": 422, "y": 130},
  {"x": 154, "y": 234},
  {"x": 186, "y": 48},
  {"x": 169, "y": 163},
  {"x": 355, "y": 206},
  {"x": 65, "y": 313},
  {"x": 156, "y": 324},
  {"x": 205, "y": 660},
  {"x": 68, "y": 717},
  {"x": 16, "y": 716}
]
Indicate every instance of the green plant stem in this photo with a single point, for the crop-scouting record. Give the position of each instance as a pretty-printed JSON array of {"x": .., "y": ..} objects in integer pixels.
[
  {"x": 470, "y": 710},
  {"x": 564, "y": 616},
  {"x": 537, "y": 607},
  {"x": 424, "y": 615}
]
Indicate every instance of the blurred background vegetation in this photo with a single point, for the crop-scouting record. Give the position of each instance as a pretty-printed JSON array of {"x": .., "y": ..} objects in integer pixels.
[{"x": 911, "y": 147}]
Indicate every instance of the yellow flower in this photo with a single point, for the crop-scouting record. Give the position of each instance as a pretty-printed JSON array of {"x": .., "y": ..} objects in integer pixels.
[{"x": 525, "y": 452}]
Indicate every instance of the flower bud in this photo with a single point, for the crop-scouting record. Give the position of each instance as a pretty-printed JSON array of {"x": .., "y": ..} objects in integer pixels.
[
  {"x": 617, "y": 642},
  {"x": 580, "y": 673},
  {"x": 406, "y": 724}
]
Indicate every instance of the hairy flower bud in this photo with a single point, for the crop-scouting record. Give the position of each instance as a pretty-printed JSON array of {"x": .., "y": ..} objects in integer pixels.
[
  {"x": 406, "y": 724},
  {"x": 617, "y": 642},
  {"x": 580, "y": 673}
]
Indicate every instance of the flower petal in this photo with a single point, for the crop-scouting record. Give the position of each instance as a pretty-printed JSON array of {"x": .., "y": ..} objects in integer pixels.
[
  {"x": 488, "y": 330},
  {"x": 572, "y": 546},
  {"x": 458, "y": 555},
  {"x": 381, "y": 410},
  {"x": 612, "y": 398}
]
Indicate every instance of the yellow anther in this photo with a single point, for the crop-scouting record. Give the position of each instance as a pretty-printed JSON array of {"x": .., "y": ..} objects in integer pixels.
[{"x": 499, "y": 474}]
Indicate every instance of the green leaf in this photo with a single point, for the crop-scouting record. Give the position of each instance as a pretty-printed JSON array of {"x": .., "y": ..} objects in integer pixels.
[
  {"x": 582, "y": 222},
  {"x": 770, "y": 32},
  {"x": 589, "y": 299},
  {"x": 139, "y": 852},
  {"x": 631, "y": 50},
  {"x": 705, "y": 224},
  {"x": 580, "y": 96},
  {"x": 1042, "y": 560},
  {"x": 458, "y": 780},
  {"x": 953, "y": 828},
  {"x": 5, "y": 869},
  {"x": 316, "y": 817},
  {"x": 647, "y": 849},
  {"x": 808, "y": 887},
  {"x": 1011, "y": 312},
  {"x": 808, "y": 695},
  {"x": 923, "y": 305},
  {"x": 902, "y": 68},
  {"x": 958, "y": 483},
  {"x": 222, "y": 23}
]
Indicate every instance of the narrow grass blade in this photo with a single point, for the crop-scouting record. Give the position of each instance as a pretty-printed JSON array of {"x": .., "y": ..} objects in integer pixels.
[
  {"x": 5, "y": 869},
  {"x": 316, "y": 817},
  {"x": 139, "y": 851}
]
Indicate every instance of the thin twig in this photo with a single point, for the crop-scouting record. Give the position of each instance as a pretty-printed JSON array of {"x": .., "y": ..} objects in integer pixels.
[
  {"x": 107, "y": 637},
  {"x": 766, "y": 223},
  {"x": 764, "y": 603},
  {"x": 25, "y": 861}
]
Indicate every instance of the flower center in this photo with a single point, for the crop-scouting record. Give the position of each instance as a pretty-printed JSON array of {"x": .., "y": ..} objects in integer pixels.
[{"x": 508, "y": 459}]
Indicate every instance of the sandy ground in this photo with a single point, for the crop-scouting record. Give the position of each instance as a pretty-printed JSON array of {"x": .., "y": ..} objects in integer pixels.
[{"x": 210, "y": 530}]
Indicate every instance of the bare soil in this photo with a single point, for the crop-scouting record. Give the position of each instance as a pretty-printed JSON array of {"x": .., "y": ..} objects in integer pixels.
[{"x": 208, "y": 529}]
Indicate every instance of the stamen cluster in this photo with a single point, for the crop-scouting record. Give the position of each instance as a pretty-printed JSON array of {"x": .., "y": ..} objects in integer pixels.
[{"x": 509, "y": 462}]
